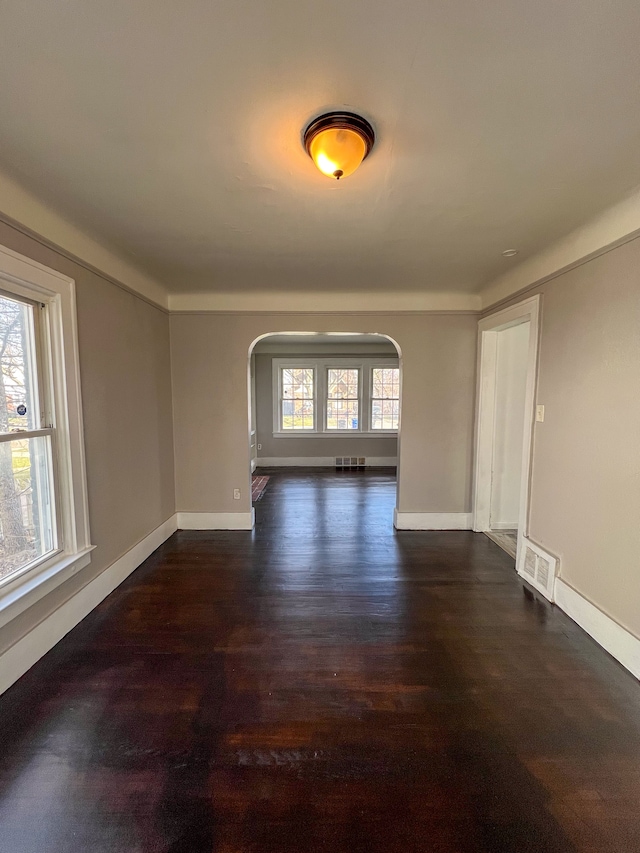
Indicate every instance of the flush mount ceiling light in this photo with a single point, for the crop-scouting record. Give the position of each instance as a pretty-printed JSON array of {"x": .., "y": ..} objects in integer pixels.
[
  {"x": 338, "y": 142},
  {"x": 510, "y": 253}
]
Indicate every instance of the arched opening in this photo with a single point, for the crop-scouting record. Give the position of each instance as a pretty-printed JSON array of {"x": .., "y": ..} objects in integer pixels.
[{"x": 324, "y": 402}]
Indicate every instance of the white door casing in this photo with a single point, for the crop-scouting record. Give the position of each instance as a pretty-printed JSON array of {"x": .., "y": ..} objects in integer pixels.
[{"x": 488, "y": 328}]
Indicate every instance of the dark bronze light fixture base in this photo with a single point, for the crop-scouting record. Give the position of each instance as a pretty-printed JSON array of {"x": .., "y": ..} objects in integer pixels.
[{"x": 340, "y": 120}]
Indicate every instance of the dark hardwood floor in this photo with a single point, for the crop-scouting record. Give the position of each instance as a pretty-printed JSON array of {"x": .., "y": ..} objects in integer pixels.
[{"x": 323, "y": 684}]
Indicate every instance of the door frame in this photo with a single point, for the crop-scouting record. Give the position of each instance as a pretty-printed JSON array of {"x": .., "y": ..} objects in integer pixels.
[
  {"x": 337, "y": 335},
  {"x": 488, "y": 328}
]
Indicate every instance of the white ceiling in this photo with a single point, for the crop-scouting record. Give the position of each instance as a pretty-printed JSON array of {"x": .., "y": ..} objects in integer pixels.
[{"x": 172, "y": 131}]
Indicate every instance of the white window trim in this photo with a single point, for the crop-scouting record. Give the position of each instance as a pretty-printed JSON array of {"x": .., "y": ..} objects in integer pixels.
[
  {"x": 277, "y": 396},
  {"x": 326, "y": 366},
  {"x": 364, "y": 364},
  {"x": 382, "y": 364},
  {"x": 31, "y": 280}
]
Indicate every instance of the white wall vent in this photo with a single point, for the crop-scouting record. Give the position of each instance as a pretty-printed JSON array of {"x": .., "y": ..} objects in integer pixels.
[
  {"x": 351, "y": 462},
  {"x": 538, "y": 568}
]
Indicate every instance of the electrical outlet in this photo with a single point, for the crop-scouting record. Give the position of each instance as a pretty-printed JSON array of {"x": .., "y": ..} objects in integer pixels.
[
  {"x": 236, "y": 494},
  {"x": 259, "y": 447}
]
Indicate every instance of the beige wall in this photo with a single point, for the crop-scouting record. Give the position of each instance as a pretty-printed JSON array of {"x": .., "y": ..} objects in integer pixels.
[
  {"x": 585, "y": 497},
  {"x": 585, "y": 492},
  {"x": 343, "y": 445},
  {"x": 210, "y": 373},
  {"x": 126, "y": 393}
]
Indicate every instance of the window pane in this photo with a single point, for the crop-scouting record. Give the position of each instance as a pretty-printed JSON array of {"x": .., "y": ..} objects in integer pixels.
[
  {"x": 297, "y": 405},
  {"x": 342, "y": 383},
  {"x": 297, "y": 382},
  {"x": 26, "y": 505},
  {"x": 342, "y": 414},
  {"x": 18, "y": 386},
  {"x": 297, "y": 414},
  {"x": 386, "y": 382},
  {"x": 385, "y": 398},
  {"x": 385, "y": 414}
]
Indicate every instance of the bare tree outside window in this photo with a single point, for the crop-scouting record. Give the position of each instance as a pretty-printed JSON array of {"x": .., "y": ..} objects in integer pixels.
[
  {"x": 297, "y": 403},
  {"x": 385, "y": 398},
  {"x": 336, "y": 396},
  {"x": 26, "y": 522},
  {"x": 342, "y": 398}
]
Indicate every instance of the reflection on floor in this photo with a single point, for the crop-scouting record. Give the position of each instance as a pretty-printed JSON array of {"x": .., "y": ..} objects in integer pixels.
[
  {"x": 323, "y": 683},
  {"x": 506, "y": 539},
  {"x": 258, "y": 485}
]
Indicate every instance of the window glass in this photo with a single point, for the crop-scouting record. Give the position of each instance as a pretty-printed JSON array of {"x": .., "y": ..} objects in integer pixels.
[
  {"x": 27, "y": 518},
  {"x": 342, "y": 398},
  {"x": 385, "y": 398},
  {"x": 19, "y": 390},
  {"x": 26, "y": 506},
  {"x": 297, "y": 402}
]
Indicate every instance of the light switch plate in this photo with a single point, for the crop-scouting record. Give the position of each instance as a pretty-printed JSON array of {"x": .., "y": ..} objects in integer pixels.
[{"x": 540, "y": 414}]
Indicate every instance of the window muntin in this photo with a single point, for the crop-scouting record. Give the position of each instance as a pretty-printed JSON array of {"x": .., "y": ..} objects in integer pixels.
[
  {"x": 385, "y": 398},
  {"x": 343, "y": 385},
  {"x": 297, "y": 398},
  {"x": 28, "y": 524},
  {"x": 333, "y": 396}
]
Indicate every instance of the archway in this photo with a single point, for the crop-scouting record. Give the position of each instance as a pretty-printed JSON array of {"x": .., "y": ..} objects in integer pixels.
[{"x": 324, "y": 400}]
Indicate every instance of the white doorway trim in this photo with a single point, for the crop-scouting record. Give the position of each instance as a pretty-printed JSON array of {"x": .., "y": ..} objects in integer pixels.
[
  {"x": 319, "y": 461},
  {"x": 526, "y": 311}
]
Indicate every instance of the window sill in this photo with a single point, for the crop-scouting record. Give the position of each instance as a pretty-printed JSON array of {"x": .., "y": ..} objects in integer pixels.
[
  {"x": 27, "y": 589},
  {"x": 337, "y": 434}
]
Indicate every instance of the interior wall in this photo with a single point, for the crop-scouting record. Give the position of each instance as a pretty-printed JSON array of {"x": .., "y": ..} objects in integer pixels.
[
  {"x": 126, "y": 396},
  {"x": 585, "y": 489},
  {"x": 210, "y": 365},
  {"x": 295, "y": 446},
  {"x": 511, "y": 382}
]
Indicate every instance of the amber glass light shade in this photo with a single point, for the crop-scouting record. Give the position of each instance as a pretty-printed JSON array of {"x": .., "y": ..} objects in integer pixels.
[
  {"x": 337, "y": 152},
  {"x": 338, "y": 143}
]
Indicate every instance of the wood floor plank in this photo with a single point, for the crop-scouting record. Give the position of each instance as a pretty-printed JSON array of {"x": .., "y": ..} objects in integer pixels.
[{"x": 324, "y": 683}]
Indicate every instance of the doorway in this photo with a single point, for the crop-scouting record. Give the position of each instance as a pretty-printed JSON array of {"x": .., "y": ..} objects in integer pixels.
[
  {"x": 507, "y": 357},
  {"x": 324, "y": 402}
]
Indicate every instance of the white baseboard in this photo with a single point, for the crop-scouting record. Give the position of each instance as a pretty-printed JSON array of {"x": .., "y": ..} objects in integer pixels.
[
  {"x": 322, "y": 462},
  {"x": 254, "y": 463},
  {"x": 620, "y": 643},
  {"x": 432, "y": 520},
  {"x": 29, "y": 649},
  {"x": 504, "y": 525},
  {"x": 216, "y": 520}
]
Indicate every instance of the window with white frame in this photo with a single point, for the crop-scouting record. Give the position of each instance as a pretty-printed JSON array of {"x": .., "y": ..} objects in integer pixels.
[
  {"x": 43, "y": 504},
  {"x": 297, "y": 398},
  {"x": 343, "y": 398},
  {"x": 385, "y": 398},
  {"x": 28, "y": 527},
  {"x": 336, "y": 396}
]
